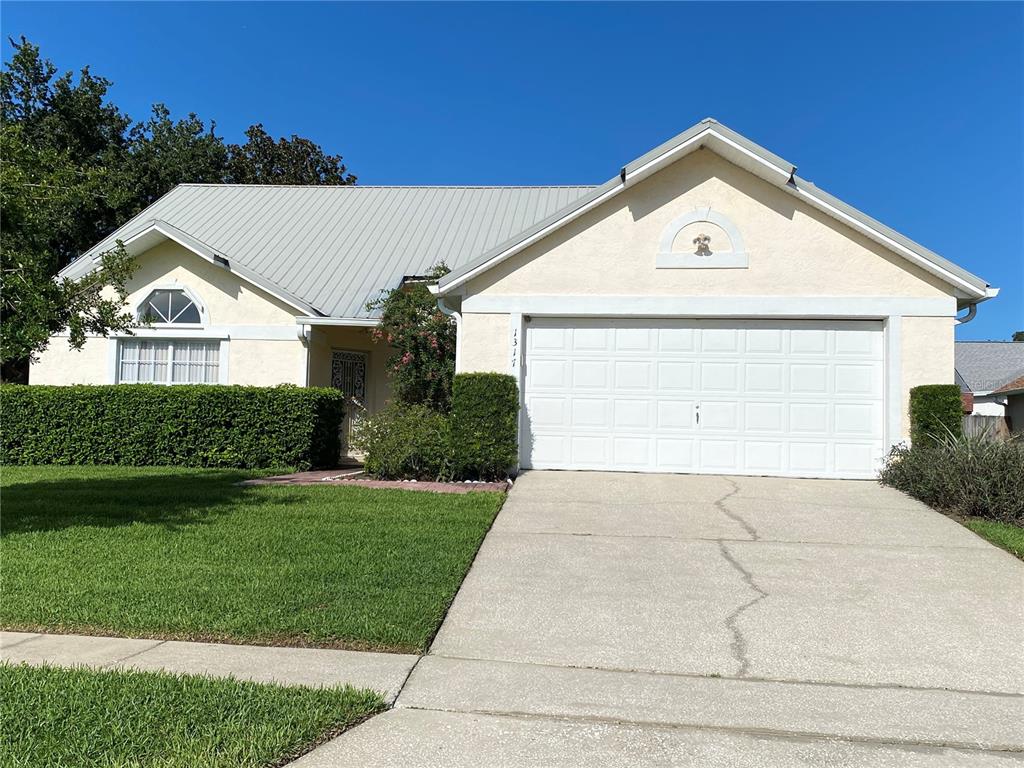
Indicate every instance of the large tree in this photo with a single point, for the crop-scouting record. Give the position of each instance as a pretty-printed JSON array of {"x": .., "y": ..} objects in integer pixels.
[
  {"x": 41, "y": 190},
  {"x": 261, "y": 160},
  {"x": 75, "y": 167}
]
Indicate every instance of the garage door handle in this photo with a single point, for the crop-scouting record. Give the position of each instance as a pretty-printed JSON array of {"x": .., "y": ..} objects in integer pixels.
[{"x": 696, "y": 410}]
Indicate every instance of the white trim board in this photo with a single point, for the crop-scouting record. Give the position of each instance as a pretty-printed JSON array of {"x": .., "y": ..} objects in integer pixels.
[
  {"x": 711, "y": 306},
  {"x": 353, "y": 322},
  {"x": 893, "y": 380},
  {"x": 244, "y": 332}
]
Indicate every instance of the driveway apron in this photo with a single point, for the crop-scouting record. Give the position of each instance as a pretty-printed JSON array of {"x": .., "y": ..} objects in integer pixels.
[{"x": 633, "y": 619}]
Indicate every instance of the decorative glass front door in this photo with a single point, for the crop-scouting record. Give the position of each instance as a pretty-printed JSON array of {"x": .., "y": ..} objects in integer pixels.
[{"x": 348, "y": 373}]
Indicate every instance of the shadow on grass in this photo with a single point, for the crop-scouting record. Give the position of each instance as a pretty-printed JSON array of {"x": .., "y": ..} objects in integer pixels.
[{"x": 60, "y": 497}]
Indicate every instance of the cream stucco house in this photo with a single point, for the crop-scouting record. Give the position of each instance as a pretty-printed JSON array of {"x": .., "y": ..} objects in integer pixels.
[{"x": 705, "y": 310}]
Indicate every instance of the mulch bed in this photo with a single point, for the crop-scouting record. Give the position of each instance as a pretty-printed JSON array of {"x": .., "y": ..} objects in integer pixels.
[{"x": 355, "y": 477}]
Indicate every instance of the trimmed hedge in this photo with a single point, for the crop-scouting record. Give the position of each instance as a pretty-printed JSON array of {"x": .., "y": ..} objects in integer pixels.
[
  {"x": 405, "y": 442},
  {"x": 184, "y": 425},
  {"x": 484, "y": 425},
  {"x": 936, "y": 411}
]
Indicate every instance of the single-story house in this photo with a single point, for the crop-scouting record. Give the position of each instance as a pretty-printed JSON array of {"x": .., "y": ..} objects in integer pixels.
[
  {"x": 704, "y": 310},
  {"x": 991, "y": 378}
]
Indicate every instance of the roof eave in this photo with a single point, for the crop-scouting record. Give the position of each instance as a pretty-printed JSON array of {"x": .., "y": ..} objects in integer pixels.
[{"x": 156, "y": 231}]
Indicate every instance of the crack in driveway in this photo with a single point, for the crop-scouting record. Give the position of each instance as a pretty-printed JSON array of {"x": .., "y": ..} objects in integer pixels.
[
  {"x": 739, "y": 642},
  {"x": 720, "y": 505}
]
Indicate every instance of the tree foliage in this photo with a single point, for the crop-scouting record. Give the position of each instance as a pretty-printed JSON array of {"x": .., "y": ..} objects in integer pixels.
[
  {"x": 41, "y": 189},
  {"x": 75, "y": 167},
  {"x": 285, "y": 161},
  {"x": 423, "y": 338}
]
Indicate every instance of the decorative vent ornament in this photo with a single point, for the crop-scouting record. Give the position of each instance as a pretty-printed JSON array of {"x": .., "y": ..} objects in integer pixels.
[{"x": 726, "y": 255}]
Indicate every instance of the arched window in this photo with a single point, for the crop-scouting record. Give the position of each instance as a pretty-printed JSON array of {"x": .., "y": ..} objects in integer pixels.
[{"x": 170, "y": 306}]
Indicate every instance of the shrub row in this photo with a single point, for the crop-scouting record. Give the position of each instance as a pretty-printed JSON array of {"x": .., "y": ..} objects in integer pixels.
[
  {"x": 478, "y": 441},
  {"x": 965, "y": 475},
  {"x": 186, "y": 425}
]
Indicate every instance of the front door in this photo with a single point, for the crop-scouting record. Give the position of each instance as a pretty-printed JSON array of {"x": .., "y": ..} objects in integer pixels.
[{"x": 348, "y": 373}]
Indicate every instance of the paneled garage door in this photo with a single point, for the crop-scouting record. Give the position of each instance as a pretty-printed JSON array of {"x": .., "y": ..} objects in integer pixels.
[{"x": 797, "y": 398}]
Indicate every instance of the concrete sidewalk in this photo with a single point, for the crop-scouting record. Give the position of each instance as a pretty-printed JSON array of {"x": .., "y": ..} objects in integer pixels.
[
  {"x": 315, "y": 667},
  {"x": 628, "y": 619}
]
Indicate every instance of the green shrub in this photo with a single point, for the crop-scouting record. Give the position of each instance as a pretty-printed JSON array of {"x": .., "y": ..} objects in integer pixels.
[
  {"x": 484, "y": 424},
  {"x": 935, "y": 410},
  {"x": 185, "y": 425},
  {"x": 404, "y": 442},
  {"x": 972, "y": 476}
]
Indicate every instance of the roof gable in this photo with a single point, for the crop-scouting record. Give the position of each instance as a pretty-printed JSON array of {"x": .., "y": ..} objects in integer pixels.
[{"x": 746, "y": 154}]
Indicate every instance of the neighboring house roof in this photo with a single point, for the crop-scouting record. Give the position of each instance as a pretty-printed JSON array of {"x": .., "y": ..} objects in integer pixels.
[
  {"x": 745, "y": 153},
  {"x": 329, "y": 250},
  {"x": 1014, "y": 387},
  {"x": 332, "y": 249},
  {"x": 987, "y": 366}
]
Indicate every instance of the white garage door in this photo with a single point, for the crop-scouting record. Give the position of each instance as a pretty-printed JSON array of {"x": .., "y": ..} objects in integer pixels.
[{"x": 797, "y": 398}]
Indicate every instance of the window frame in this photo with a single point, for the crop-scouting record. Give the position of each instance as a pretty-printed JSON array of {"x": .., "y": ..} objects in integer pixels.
[
  {"x": 170, "y": 341},
  {"x": 189, "y": 293}
]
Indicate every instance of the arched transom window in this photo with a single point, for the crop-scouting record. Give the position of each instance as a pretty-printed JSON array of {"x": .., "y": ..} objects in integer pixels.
[{"x": 171, "y": 305}]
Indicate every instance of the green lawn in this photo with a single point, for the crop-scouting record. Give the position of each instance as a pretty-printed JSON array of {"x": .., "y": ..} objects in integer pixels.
[
  {"x": 50, "y": 716},
  {"x": 185, "y": 553},
  {"x": 1009, "y": 537}
]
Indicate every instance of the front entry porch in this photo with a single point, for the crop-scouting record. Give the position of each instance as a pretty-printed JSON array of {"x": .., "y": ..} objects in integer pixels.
[{"x": 348, "y": 358}]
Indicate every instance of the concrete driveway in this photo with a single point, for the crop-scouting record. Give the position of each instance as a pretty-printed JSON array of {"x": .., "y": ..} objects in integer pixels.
[{"x": 628, "y": 619}]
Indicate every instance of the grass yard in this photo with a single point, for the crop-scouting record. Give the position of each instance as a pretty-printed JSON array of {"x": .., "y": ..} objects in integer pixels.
[
  {"x": 1009, "y": 537},
  {"x": 51, "y": 716},
  {"x": 184, "y": 553}
]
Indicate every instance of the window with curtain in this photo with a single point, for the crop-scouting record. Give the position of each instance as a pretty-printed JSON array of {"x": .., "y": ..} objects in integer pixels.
[{"x": 168, "y": 361}]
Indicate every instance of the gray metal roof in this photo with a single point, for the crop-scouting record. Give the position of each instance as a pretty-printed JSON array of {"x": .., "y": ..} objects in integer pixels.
[
  {"x": 985, "y": 366},
  {"x": 332, "y": 249},
  {"x": 335, "y": 248}
]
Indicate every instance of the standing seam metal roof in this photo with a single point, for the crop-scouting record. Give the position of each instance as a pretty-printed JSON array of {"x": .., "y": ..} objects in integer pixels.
[{"x": 336, "y": 248}]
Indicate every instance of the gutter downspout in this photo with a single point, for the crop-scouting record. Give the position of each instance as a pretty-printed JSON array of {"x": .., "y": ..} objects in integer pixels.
[
  {"x": 305, "y": 333},
  {"x": 451, "y": 312},
  {"x": 972, "y": 310}
]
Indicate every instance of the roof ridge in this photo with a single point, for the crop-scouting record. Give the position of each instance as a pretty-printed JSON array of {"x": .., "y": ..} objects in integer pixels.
[{"x": 390, "y": 186}]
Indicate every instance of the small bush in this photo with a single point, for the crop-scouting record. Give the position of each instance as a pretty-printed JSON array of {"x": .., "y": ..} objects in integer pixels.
[
  {"x": 935, "y": 410},
  {"x": 485, "y": 418},
  {"x": 972, "y": 476},
  {"x": 190, "y": 425},
  {"x": 405, "y": 442}
]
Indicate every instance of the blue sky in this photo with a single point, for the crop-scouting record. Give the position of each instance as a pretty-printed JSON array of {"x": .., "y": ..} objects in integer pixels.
[{"x": 913, "y": 113}]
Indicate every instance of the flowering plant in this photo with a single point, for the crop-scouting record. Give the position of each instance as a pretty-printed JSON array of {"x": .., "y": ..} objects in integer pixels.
[{"x": 423, "y": 339}]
